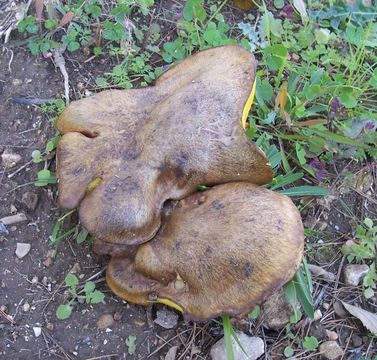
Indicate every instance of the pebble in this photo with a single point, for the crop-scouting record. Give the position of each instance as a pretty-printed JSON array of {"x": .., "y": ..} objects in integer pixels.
[
  {"x": 330, "y": 350},
  {"x": 318, "y": 330},
  {"x": 253, "y": 346},
  {"x": 356, "y": 340},
  {"x": 10, "y": 159},
  {"x": 276, "y": 311},
  {"x": 37, "y": 331},
  {"x": 118, "y": 316},
  {"x": 22, "y": 250},
  {"x": 105, "y": 321},
  {"x": 26, "y": 307},
  {"x": 16, "y": 82},
  {"x": 30, "y": 200},
  {"x": 332, "y": 335},
  {"x": 339, "y": 309},
  {"x": 353, "y": 274},
  {"x": 166, "y": 318},
  {"x": 317, "y": 314}
]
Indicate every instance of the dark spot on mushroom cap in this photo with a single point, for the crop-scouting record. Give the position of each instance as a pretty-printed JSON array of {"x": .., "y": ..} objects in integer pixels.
[{"x": 217, "y": 205}]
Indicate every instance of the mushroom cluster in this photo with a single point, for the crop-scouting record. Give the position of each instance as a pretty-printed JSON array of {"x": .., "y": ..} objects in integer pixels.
[{"x": 131, "y": 161}]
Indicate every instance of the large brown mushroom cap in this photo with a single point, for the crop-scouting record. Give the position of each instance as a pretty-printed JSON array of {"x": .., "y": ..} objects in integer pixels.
[
  {"x": 218, "y": 252},
  {"x": 145, "y": 146}
]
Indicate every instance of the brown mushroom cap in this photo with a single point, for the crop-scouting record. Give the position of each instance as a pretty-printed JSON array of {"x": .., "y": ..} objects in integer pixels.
[
  {"x": 218, "y": 252},
  {"x": 145, "y": 146}
]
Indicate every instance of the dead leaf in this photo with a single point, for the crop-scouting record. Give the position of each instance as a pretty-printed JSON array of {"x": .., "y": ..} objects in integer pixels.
[
  {"x": 39, "y": 4},
  {"x": 301, "y": 8},
  {"x": 368, "y": 319},
  {"x": 287, "y": 118},
  {"x": 66, "y": 18},
  {"x": 319, "y": 272},
  {"x": 244, "y": 4},
  {"x": 171, "y": 354},
  {"x": 283, "y": 97},
  {"x": 310, "y": 122}
]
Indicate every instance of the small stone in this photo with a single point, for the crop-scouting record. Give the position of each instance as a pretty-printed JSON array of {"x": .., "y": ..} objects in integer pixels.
[
  {"x": 37, "y": 331},
  {"x": 16, "y": 82},
  {"x": 330, "y": 350},
  {"x": 22, "y": 250},
  {"x": 105, "y": 321},
  {"x": 253, "y": 346},
  {"x": 357, "y": 341},
  {"x": 339, "y": 309},
  {"x": 317, "y": 314},
  {"x": 10, "y": 159},
  {"x": 166, "y": 318},
  {"x": 50, "y": 257},
  {"x": 26, "y": 307},
  {"x": 34, "y": 280},
  {"x": 4, "y": 309},
  {"x": 118, "y": 316},
  {"x": 30, "y": 200},
  {"x": 276, "y": 311},
  {"x": 332, "y": 335},
  {"x": 50, "y": 326},
  {"x": 75, "y": 268},
  {"x": 13, "y": 209},
  {"x": 352, "y": 274},
  {"x": 318, "y": 330}
]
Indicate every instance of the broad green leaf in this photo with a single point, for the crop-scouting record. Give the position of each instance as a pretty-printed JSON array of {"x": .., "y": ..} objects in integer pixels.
[
  {"x": 96, "y": 297},
  {"x": 50, "y": 23},
  {"x": 322, "y": 36},
  {"x": 45, "y": 177},
  {"x": 254, "y": 313},
  {"x": 301, "y": 154},
  {"x": 36, "y": 156},
  {"x": 288, "y": 352},
  {"x": 63, "y": 311},
  {"x": 71, "y": 280},
  {"x": 275, "y": 56},
  {"x": 290, "y": 294},
  {"x": 368, "y": 222},
  {"x": 89, "y": 286},
  {"x": 73, "y": 46},
  {"x": 131, "y": 344},
  {"x": 310, "y": 343},
  {"x": 82, "y": 236}
]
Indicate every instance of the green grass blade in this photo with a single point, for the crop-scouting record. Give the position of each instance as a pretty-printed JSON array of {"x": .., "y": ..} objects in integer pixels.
[
  {"x": 305, "y": 191},
  {"x": 339, "y": 138},
  {"x": 286, "y": 180},
  {"x": 303, "y": 293},
  {"x": 228, "y": 332}
]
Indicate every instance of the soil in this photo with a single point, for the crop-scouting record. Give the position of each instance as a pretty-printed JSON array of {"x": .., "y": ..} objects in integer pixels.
[{"x": 33, "y": 281}]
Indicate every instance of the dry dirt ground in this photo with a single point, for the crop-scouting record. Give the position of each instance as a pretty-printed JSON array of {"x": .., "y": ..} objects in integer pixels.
[{"x": 30, "y": 291}]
